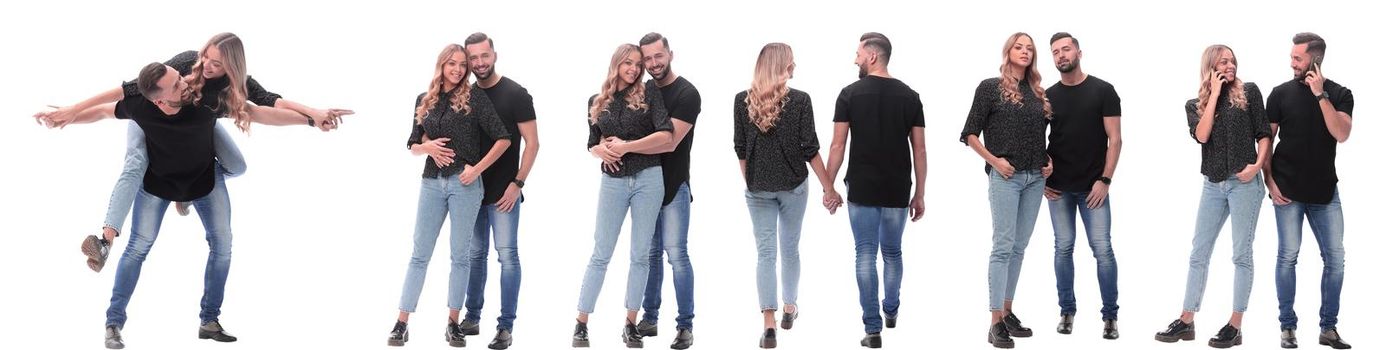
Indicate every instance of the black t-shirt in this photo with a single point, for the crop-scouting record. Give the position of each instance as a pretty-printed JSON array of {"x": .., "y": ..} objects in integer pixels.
[
  {"x": 514, "y": 105},
  {"x": 1077, "y": 134},
  {"x": 881, "y": 113},
  {"x": 213, "y": 89},
  {"x": 181, "y": 166},
  {"x": 1303, "y": 163},
  {"x": 682, "y": 101}
]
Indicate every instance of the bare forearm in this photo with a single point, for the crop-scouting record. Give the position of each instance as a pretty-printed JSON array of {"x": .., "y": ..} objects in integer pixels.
[
  {"x": 1205, "y": 123},
  {"x": 836, "y": 153},
  {"x": 976, "y": 144},
  {"x": 820, "y": 171},
  {"x": 275, "y": 116},
  {"x": 108, "y": 96},
  {"x": 1339, "y": 124},
  {"x": 1113, "y": 155},
  {"x": 649, "y": 142},
  {"x": 94, "y": 113},
  {"x": 1263, "y": 151}
]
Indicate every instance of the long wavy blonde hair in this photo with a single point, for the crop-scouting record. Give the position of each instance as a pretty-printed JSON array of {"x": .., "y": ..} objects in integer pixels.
[
  {"x": 461, "y": 92},
  {"x": 1237, "y": 95},
  {"x": 635, "y": 99},
  {"x": 1010, "y": 85},
  {"x": 231, "y": 100},
  {"x": 765, "y": 99}
]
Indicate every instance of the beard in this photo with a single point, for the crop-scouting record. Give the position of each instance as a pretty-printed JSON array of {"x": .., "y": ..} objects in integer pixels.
[
  {"x": 480, "y": 75},
  {"x": 1301, "y": 74},
  {"x": 664, "y": 72},
  {"x": 1068, "y": 67},
  {"x": 861, "y": 71}
]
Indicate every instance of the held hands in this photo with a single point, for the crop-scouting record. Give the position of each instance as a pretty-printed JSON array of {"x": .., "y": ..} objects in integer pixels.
[
  {"x": 59, "y": 117},
  {"x": 832, "y": 200}
]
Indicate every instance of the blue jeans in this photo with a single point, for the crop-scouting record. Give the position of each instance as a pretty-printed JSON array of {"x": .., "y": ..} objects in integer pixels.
[
  {"x": 641, "y": 194},
  {"x": 504, "y": 228},
  {"x": 671, "y": 235},
  {"x": 878, "y": 229},
  {"x": 1241, "y": 202},
  {"x": 785, "y": 208},
  {"x": 1326, "y": 220},
  {"x": 229, "y": 158},
  {"x": 1098, "y": 224},
  {"x": 215, "y": 211},
  {"x": 1015, "y": 206},
  {"x": 439, "y": 198}
]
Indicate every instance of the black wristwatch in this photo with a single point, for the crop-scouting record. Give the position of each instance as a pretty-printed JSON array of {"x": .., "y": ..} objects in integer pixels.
[
  {"x": 518, "y": 183},
  {"x": 1105, "y": 180},
  {"x": 1323, "y": 96},
  {"x": 310, "y": 121}
]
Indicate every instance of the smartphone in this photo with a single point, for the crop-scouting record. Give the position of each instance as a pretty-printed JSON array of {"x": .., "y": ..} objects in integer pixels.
[{"x": 1315, "y": 61}]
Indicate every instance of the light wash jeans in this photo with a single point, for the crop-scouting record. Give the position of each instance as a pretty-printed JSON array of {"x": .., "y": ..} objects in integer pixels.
[
  {"x": 1221, "y": 200},
  {"x": 785, "y": 208},
  {"x": 642, "y": 194},
  {"x": 671, "y": 235},
  {"x": 1326, "y": 220},
  {"x": 1015, "y": 205},
  {"x": 442, "y": 197}
]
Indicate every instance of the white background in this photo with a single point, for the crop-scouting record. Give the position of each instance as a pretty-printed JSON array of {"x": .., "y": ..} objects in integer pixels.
[{"x": 323, "y": 222}]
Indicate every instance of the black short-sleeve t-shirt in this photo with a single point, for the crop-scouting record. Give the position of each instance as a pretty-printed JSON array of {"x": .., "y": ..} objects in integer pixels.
[
  {"x": 181, "y": 166},
  {"x": 1077, "y": 133},
  {"x": 682, "y": 101},
  {"x": 514, "y": 105},
  {"x": 1303, "y": 164},
  {"x": 880, "y": 112}
]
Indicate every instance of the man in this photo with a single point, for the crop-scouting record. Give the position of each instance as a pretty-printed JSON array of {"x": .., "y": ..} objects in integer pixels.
[
  {"x": 1312, "y": 115},
  {"x": 682, "y": 101},
  {"x": 499, "y": 218},
  {"x": 887, "y": 118},
  {"x": 181, "y": 168},
  {"x": 1084, "y": 145}
]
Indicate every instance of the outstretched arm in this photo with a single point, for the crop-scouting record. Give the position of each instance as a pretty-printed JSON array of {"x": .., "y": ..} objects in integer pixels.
[{"x": 86, "y": 116}]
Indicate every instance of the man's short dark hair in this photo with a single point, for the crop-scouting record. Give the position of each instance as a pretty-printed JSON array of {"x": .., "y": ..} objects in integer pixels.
[
  {"x": 477, "y": 38},
  {"x": 148, "y": 81},
  {"x": 880, "y": 46},
  {"x": 874, "y": 35},
  {"x": 1061, "y": 35},
  {"x": 653, "y": 37},
  {"x": 1316, "y": 43}
]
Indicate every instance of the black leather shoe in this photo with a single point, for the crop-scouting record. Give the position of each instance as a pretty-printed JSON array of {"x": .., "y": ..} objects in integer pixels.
[
  {"x": 631, "y": 337},
  {"x": 1178, "y": 330},
  {"x": 872, "y": 340},
  {"x": 647, "y": 328},
  {"x": 1109, "y": 329},
  {"x": 399, "y": 334},
  {"x": 682, "y": 340},
  {"x": 501, "y": 341},
  {"x": 212, "y": 330},
  {"x": 1065, "y": 324},
  {"x": 454, "y": 335},
  {"x": 470, "y": 327},
  {"x": 1014, "y": 328},
  {"x": 1288, "y": 339},
  {"x": 580, "y": 336},
  {"x": 787, "y": 321},
  {"x": 767, "y": 339},
  {"x": 999, "y": 337},
  {"x": 113, "y": 340},
  {"x": 1331, "y": 338},
  {"x": 890, "y": 320},
  {"x": 1227, "y": 337}
]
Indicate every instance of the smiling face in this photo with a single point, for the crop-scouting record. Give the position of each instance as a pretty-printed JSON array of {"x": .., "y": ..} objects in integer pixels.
[
  {"x": 212, "y": 63},
  {"x": 656, "y": 58},
  {"x": 630, "y": 68},
  {"x": 1301, "y": 61},
  {"x": 455, "y": 68},
  {"x": 481, "y": 60},
  {"x": 1226, "y": 63}
]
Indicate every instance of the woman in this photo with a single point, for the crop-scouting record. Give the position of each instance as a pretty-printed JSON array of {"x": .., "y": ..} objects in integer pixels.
[
  {"x": 1229, "y": 120},
  {"x": 218, "y": 78},
  {"x": 774, "y": 137},
  {"x": 448, "y": 124},
  {"x": 624, "y": 121},
  {"x": 1011, "y": 112}
]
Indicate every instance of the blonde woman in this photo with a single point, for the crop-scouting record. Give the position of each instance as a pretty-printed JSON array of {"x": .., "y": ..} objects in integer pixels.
[
  {"x": 449, "y": 121},
  {"x": 1011, "y": 112},
  {"x": 218, "y": 79},
  {"x": 1229, "y": 120},
  {"x": 774, "y": 138},
  {"x": 624, "y": 122}
]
